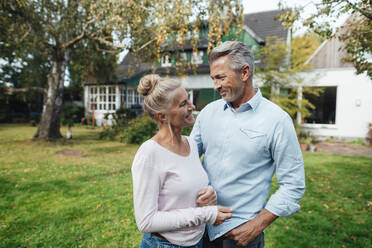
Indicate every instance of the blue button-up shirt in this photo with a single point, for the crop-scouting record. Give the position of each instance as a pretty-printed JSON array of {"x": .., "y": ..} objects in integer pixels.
[{"x": 242, "y": 150}]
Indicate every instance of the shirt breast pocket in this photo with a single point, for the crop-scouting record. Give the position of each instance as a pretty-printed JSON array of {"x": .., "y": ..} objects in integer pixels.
[
  {"x": 254, "y": 139},
  {"x": 249, "y": 147},
  {"x": 253, "y": 136}
]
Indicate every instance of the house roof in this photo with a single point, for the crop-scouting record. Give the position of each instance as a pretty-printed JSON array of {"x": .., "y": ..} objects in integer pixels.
[
  {"x": 264, "y": 24},
  {"x": 130, "y": 67},
  {"x": 258, "y": 25},
  {"x": 330, "y": 53}
]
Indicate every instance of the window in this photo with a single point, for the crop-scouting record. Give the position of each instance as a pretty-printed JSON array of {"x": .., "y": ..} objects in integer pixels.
[
  {"x": 92, "y": 98},
  {"x": 192, "y": 35},
  {"x": 197, "y": 58},
  {"x": 166, "y": 61},
  {"x": 123, "y": 96},
  {"x": 103, "y": 98},
  {"x": 183, "y": 58},
  {"x": 134, "y": 97},
  {"x": 325, "y": 106},
  {"x": 130, "y": 99},
  {"x": 111, "y": 103}
]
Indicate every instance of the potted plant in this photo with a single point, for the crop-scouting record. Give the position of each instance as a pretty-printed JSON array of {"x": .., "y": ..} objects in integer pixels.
[
  {"x": 313, "y": 142},
  {"x": 303, "y": 138},
  {"x": 304, "y": 143}
]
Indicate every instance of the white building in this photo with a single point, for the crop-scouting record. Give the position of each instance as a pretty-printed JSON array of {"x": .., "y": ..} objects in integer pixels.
[{"x": 344, "y": 109}]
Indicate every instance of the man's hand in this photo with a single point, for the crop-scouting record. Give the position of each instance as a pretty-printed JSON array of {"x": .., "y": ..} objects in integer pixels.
[
  {"x": 244, "y": 233},
  {"x": 207, "y": 197},
  {"x": 249, "y": 230}
]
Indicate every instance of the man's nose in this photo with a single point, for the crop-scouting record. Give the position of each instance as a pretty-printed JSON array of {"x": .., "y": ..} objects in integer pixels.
[{"x": 217, "y": 85}]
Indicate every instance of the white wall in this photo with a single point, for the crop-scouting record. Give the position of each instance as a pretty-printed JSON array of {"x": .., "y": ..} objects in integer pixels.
[
  {"x": 201, "y": 81},
  {"x": 353, "y": 105}
]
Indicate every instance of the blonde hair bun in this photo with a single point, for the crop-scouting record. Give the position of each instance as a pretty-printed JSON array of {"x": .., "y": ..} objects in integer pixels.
[
  {"x": 148, "y": 83},
  {"x": 157, "y": 92}
]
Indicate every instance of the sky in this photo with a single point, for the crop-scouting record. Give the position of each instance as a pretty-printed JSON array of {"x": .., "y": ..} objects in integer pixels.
[{"x": 251, "y": 6}]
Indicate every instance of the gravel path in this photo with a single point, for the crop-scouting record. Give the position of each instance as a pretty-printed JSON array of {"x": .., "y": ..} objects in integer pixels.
[{"x": 345, "y": 149}]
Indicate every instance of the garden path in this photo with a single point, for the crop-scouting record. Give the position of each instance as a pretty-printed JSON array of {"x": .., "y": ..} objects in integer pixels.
[{"x": 341, "y": 148}]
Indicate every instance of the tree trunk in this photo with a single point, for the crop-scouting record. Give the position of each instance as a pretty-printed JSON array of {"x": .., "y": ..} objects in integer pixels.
[{"x": 50, "y": 123}]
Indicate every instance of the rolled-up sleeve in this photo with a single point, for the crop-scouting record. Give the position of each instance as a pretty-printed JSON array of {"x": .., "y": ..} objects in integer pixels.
[{"x": 289, "y": 166}]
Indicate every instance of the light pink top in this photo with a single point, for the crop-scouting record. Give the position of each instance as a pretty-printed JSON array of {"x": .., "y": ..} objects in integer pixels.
[{"x": 165, "y": 188}]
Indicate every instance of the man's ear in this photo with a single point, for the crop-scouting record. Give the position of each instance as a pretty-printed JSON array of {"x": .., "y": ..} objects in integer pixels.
[
  {"x": 245, "y": 72},
  {"x": 161, "y": 117}
]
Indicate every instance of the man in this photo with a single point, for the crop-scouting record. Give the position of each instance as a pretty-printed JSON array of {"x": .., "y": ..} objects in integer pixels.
[{"x": 245, "y": 139}]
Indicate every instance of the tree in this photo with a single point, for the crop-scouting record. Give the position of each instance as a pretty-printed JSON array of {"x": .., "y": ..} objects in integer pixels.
[
  {"x": 57, "y": 28},
  {"x": 279, "y": 73},
  {"x": 89, "y": 60},
  {"x": 16, "y": 73},
  {"x": 356, "y": 33}
]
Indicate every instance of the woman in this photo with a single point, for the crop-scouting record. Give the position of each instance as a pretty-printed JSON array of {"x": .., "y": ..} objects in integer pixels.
[{"x": 167, "y": 174}]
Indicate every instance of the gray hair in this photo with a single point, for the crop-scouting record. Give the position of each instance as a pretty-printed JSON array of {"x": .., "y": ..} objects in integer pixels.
[
  {"x": 239, "y": 55},
  {"x": 157, "y": 92}
]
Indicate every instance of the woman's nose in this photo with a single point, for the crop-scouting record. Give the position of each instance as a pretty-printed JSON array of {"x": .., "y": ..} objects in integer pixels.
[{"x": 191, "y": 106}]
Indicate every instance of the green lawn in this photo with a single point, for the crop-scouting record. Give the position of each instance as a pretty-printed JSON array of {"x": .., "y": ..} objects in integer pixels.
[{"x": 51, "y": 200}]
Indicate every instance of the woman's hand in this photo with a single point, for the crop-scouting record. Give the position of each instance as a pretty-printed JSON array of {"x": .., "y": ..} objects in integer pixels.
[
  {"x": 206, "y": 197},
  {"x": 223, "y": 214}
]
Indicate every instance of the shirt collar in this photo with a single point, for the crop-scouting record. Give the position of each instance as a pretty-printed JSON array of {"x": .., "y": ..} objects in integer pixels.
[{"x": 251, "y": 104}]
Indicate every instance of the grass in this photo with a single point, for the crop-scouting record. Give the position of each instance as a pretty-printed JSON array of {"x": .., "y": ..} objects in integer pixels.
[
  {"x": 51, "y": 200},
  {"x": 358, "y": 141}
]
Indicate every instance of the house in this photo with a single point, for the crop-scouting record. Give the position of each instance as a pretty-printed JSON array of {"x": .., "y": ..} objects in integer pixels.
[
  {"x": 103, "y": 99},
  {"x": 344, "y": 108}
]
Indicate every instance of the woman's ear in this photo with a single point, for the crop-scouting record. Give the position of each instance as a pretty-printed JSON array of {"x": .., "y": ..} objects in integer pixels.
[{"x": 161, "y": 117}]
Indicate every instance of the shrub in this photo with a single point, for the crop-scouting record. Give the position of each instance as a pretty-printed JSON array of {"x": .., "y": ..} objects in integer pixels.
[
  {"x": 71, "y": 113},
  {"x": 186, "y": 131},
  {"x": 121, "y": 116},
  {"x": 120, "y": 121},
  {"x": 108, "y": 133},
  {"x": 139, "y": 130},
  {"x": 35, "y": 116}
]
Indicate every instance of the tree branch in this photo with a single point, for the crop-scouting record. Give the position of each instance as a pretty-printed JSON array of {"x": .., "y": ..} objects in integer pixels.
[
  {"x": 109, "y": 43},
  {"x": 79, "y": 37},
  {"x": 26, "y": 34},
  {"x": 11, "y": 91},
  {"x": 105, "y": 50},
  {"x": 74, "y": 40},
  {"x": 145, "y": 45},
  {"x": 354, "y": 6}
]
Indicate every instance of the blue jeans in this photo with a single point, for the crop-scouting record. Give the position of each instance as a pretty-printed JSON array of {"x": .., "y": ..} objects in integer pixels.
[
  {"x": 151, "y": 241},
  {"x": 224, "y": 242}
]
